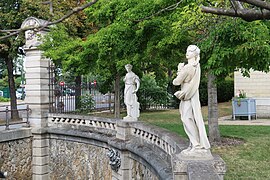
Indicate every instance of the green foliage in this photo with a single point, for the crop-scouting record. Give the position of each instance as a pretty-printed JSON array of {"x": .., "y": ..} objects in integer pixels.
[
  {"x": 63, "y": 50},
  {"x": 225, "y": 91},
  {"x": 203, "y": 92},
  {"x": 150, "y": 94},
  {"x": 125, "y": 32},
  {"x": 236, "y": 44},
  {"x": 87, "y": 103},
  {"x": 2, "y": 99},
  {"x": 4, "y": 80}
]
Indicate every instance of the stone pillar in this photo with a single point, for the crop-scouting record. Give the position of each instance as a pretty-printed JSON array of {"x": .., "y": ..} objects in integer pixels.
[
  {"x": 36, "y": 88},
  {"x": 36, "y": 74},
  {"x": 40, "y": 161},
  {"x": 37, "y": 96},
  {"x": 124, "y": 132}
]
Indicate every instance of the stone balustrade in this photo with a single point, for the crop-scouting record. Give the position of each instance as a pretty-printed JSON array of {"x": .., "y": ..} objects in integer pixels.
[
  {"x": 68, "y": 119},
  {"x": 158, "y": 137}
]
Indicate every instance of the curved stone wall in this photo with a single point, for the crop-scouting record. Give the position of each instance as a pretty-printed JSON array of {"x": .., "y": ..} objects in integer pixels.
[
  {"x": 149, "y": 148},
  {"x": 86, "y": 151},
  {"x": 16, "y": 153},
  {"x": 74, "y": 160}
]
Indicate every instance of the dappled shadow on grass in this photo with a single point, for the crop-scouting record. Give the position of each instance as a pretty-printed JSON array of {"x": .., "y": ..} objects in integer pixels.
[
  {"x": 179, "y": 129},
  {"x": 228, "y": 141}
]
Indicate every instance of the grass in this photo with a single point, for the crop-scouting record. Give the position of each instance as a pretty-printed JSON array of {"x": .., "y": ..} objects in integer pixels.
[{"x": 250, "y": 160}]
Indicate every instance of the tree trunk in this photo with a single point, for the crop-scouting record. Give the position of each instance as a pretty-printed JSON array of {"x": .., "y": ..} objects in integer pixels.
[
  {"x": 78, "y": 93},
  {"x": 117, "y": 96},
  {"x": 214, "y": 134},
  {"x": 12, "y": 89}
]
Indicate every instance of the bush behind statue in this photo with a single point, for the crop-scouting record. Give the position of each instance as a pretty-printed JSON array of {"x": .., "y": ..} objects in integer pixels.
[
  {"x": 2, "y": 99},
  {"x": 151, "y": 94},
  {"x": 225, "y": 91},
  {"x": 87, "y": 103}
]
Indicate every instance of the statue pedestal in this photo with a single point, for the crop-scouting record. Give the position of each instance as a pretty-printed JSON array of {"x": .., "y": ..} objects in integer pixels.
[
  {"x": 184, "y": 169},
  {"x": 128, "y": 118},
  {"x": 197, "y": 154}
]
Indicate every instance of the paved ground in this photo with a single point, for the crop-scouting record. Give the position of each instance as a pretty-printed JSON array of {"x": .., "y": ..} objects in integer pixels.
[{"x": 227, "y": 120}]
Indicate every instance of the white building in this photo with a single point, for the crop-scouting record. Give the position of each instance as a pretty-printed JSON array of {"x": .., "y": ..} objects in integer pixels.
[{"x": 256, "y": 86}]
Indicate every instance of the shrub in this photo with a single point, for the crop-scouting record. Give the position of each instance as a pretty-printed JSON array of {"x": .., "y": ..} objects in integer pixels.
[
  {"x": 225, "y": 91},
  {"x": 203, "y": 92},
  {"x": 87, "y": 103},
  {"x": 151, "y": 94},
  {"x": 2, "y": 99}
]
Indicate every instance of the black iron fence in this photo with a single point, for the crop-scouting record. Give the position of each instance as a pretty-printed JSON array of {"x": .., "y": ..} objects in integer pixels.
[
  {"x": 68, "y": 98},
  {"x": 6, "y": 116},
  {"x": 72, "y": 97}
]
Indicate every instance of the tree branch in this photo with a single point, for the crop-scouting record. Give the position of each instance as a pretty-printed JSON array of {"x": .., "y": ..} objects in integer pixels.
[
  {"x": 14, "y": 32},
  {"x": 246, "y": 14},
  {"x": 236, "y": 4},
  {"x": 258, "y": 3}
]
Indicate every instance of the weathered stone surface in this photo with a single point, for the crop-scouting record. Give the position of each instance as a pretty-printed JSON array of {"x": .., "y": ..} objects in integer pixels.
[
  {"x": 139, "y": 171},
  {"x": 198, "y": 169},
  {"x": 201, "y": 171},
  {"x": 72, "y": 160},
  {"x": 16, "y": 158}
]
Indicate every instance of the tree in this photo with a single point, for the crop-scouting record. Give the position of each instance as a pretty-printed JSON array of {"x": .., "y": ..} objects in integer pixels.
[
  {"x": 248, "y": 10},
  {"x": 238, "y": 45},
  {"x": 37, "y": 10},
  {"x": 120, "y": 36},
  {"x": 13, "y": 12},
  {"x": 8, "y": 12}
]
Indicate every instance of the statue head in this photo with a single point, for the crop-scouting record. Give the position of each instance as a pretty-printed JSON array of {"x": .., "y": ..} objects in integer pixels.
[
  {"x": 128, "y": 67},
  {"x": 193, "y": 52}
]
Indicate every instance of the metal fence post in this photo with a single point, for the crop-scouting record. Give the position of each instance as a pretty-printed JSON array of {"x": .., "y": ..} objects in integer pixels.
[
  {"x": 27, "y": 116},
  {"x": 7, "y": 121}
]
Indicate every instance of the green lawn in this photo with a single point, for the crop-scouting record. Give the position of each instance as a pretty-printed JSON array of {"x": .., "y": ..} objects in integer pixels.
[{"x": 250, "y": 160}]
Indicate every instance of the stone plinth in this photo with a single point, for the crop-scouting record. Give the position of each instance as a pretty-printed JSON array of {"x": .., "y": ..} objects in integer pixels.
[
  {"x": 124, "y": 130},
  {"x": 198, "y": 169}
]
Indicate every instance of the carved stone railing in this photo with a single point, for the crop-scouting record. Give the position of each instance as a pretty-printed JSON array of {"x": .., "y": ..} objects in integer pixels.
[
  {"x": 153, "y": 135},
  {"x": 78, "y": 120},
  {"x": 148, "y": 134}
]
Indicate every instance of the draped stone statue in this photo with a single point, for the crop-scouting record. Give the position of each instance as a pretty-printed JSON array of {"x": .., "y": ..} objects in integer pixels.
[
  {"x": 132, "y": 84},
  {"x": 188, "y": 76}
]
